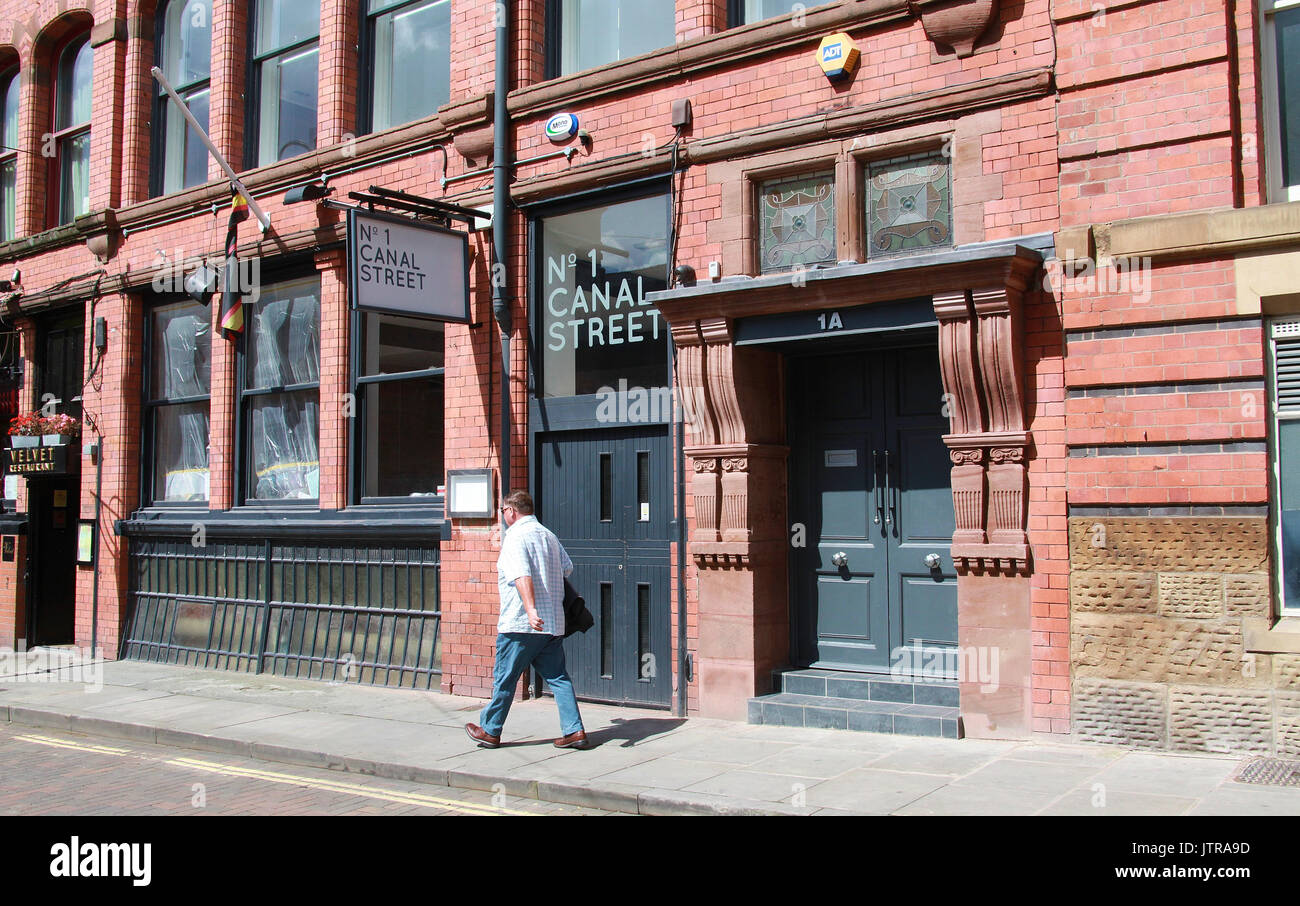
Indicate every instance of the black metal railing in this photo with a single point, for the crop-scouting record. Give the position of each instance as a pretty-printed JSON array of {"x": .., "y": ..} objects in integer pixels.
[{"x": 364, "y": 613}]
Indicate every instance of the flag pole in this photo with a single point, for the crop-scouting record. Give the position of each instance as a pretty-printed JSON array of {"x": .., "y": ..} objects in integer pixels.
[{"x": 263, "y": 220}]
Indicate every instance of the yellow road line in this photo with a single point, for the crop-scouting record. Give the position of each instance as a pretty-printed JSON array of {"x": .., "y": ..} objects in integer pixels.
[
  {"x": 64, "y": 744},
  {"x": 335, "y": 786},
  {"x": 352, "y": 789}
]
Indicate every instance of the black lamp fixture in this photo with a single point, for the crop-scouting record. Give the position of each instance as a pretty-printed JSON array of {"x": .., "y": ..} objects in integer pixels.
[
  {"x": 312, "y": 191},
  {"x": 15, "y": 281}
]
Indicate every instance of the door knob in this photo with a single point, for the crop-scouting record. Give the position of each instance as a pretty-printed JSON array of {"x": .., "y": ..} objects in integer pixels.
[
  {"x": 932, "y": 561},
  {"x": 840, "y": 558}
]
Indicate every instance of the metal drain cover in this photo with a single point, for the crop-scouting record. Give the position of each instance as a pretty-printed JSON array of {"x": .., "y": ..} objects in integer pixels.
[{"x": 1273, "y": 771}]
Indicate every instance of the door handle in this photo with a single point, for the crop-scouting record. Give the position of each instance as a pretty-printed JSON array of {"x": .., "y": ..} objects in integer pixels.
[
  {"x": 875, "y": 487},
  {"x": 840, "y": 558},
  {"x": 889, "y": 498}
]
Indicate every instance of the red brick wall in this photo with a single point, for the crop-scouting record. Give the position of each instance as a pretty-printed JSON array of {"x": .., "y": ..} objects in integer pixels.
[{"x": 1155, "y": 112}]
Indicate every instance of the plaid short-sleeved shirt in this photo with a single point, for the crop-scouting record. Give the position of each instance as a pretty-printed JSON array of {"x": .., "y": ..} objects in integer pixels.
[{"x": 529, "y": 548}]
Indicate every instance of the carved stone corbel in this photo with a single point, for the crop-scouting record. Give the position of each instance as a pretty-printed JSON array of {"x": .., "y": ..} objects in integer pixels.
[
  {"x": 957, "y": 361},
  {"x": 981, "y": 360},
  {"x": 706, "y": 487},
  {"x": 734, "y": 429},
  {"x": 998, "y": 313},
  {"x": 967, "y": 495},
  {"x": 956, "y": 23},
  {"x": 960, "y": 373}
]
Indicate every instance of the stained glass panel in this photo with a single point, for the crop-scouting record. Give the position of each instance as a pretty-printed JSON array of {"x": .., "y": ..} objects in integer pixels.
[
  {"x": 797, "y": 222},
  {"x": 909, "y": 205}
]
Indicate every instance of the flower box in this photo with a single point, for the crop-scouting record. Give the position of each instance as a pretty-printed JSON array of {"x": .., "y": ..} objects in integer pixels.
[
  {"x": 55, "y": 440},
  {"x": 24, "y": 440}
]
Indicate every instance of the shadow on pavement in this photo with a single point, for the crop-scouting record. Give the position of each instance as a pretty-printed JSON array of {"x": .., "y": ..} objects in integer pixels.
[{"x": 633, "y": 731}]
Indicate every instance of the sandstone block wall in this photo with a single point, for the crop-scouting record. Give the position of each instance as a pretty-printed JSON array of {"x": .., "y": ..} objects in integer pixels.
[{"x": 1157, "y": 648}]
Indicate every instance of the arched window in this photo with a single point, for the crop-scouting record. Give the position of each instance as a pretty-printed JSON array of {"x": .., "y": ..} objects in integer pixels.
[
  {"x": 286, "y": 54},
  {"x": 9, "y": 84},
  {"x": 184, "y": 51},
  {"x": 409, "y": 49},
  {"x": 73, "y": 82}
]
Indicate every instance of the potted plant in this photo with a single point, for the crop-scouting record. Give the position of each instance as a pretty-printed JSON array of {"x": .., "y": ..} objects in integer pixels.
[
  {"x": 25, "y": 430},
  {"x": 59, "y": 429}
]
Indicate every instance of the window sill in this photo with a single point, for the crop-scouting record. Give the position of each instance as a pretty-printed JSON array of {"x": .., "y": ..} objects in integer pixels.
[
  {"x": 724, "y": 48},
  {"x": 1263, "y": 636}
]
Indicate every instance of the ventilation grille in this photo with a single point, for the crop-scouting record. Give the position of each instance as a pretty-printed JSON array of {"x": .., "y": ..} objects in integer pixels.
[
  {"x": 1287, "y": 328},
  {"x": 1286, "y": 358}
]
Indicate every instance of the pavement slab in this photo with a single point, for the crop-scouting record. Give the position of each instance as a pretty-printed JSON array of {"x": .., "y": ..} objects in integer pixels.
[
  {"x": 870, "y": 792},
  {"x": 1140, "y": 772}
]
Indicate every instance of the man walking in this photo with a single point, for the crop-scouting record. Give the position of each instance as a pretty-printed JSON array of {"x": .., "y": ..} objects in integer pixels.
[{"x": 530, "y": 630}]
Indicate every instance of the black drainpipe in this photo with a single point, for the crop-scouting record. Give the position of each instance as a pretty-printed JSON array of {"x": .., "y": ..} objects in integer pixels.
[
  {"x": 500, "y": 225},
  {"x": 94, "y": 557}
]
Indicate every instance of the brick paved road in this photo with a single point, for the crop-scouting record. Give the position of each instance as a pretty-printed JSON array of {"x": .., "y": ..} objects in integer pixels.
[{"x": 53, "y": 772}]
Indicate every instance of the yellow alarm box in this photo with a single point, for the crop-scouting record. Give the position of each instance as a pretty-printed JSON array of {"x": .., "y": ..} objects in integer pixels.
[{"x": 838, "y": 56}]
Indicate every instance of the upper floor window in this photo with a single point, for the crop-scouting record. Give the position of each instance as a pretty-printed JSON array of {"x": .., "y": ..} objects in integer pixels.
[
  {"x": 743, "y": 12},
  {"x": 796, "y": 220},
  {"x": 72, "y": 102},
  {"x": 286, "y": 50},
  {"x": 410, "y": 57},
  {"x": 1281, "y": 58},
  {"x": 585, "y": 34},
  {"x": 9, "y": 84},
  {"x": 909, "y": 205},
  {"x": 185, "y": 57}
]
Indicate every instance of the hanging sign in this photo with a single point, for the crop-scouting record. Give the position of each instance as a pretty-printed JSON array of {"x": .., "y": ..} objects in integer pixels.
[
  {"x": 403, "y": 267},
  {"x": 37, "y": 462}
]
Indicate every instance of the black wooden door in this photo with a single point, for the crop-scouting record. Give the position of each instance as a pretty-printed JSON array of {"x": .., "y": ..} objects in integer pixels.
[
  {"x": 870, "y": 486},
  {"x": 607, "y": 495}
]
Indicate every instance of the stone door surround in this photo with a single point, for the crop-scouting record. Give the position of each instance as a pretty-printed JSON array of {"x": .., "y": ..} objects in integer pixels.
[
  {"x": 729, "y": 392},
  {"x": 733, "y": 397}
]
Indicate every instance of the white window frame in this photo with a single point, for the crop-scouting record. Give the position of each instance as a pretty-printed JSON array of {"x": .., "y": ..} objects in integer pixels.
[{"x": 1272, "y": 103}]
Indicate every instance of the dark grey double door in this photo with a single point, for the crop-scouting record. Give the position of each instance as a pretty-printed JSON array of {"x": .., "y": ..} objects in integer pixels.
[
  {"x": 607, "y": 495},
  {"x": 871, "y": 488}
]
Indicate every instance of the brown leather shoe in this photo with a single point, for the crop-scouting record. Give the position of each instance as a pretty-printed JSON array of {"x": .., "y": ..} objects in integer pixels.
[
  {"x": 572, "y": 741},
  {"x": 480, "y": 736}
]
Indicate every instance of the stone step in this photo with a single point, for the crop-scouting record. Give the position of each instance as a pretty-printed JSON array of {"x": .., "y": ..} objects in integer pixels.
[
  {"x": 867, "y": 687},
  {"x": 789, "y": 709}
]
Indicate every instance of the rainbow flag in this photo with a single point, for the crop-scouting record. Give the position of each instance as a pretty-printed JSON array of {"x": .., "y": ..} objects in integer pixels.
[{"x": 232, "y": 306}]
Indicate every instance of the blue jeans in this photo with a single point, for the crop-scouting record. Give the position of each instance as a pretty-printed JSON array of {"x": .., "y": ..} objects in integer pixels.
[{"x": 515, "y": 652}]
